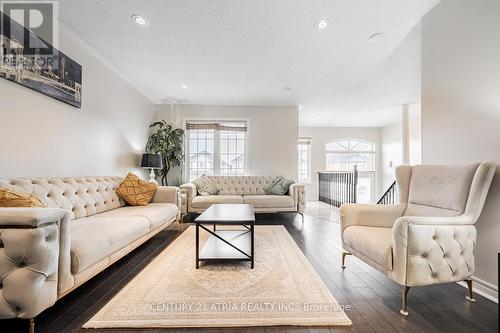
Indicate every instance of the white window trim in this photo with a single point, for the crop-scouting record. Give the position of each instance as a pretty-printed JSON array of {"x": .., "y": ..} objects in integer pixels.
[
  {"x": 309, "y": 173},
  {"x": 216, "y": 119}
]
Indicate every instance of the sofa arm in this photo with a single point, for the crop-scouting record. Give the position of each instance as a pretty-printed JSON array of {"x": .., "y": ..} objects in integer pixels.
[
  {"x": 433, "y": 250},
  {"x": 183, "y": 203},
  {"x": 369, "y": 215},
  {"x": 167, "y": 194},
  {"x": 188, "y": 192},
  {"x": 34, "y": 259},
  {"x": 189, "y": 189},
  {"x": 298, "y": 194},
  {"x": 29, "y": 217}
]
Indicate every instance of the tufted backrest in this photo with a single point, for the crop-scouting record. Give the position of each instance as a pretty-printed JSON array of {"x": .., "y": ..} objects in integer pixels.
[
  {"x": 84, "y": 196},
  {"x": 242, "y": 185}
]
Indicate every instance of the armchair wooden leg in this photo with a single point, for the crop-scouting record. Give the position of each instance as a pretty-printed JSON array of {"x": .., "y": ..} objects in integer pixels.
[
  {"x": 344, "y": 254},
  {"x": 470, "y": 296},
  {"x": 404, "y": 301},
  {"x": 32, "y": 325}
]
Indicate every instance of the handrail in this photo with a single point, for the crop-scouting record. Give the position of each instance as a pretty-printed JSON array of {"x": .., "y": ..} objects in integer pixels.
[
  {"x": 389, "y": 197},
  {"x": 338, "y": 187}
]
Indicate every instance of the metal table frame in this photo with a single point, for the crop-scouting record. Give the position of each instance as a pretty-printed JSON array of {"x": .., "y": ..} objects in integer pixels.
[{"x": 248, "y": 224}]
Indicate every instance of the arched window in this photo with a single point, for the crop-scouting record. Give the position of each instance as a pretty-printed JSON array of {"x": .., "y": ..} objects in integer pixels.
[{"x": 343, "y": 155}]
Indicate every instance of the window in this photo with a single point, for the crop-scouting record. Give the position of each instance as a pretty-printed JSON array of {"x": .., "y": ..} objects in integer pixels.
[
  {"x": 304, "y": 159},
  {"x": 201, "y": 152},
  {"x": 216, "y": 148},
  {"x": 344, "y": 155}
]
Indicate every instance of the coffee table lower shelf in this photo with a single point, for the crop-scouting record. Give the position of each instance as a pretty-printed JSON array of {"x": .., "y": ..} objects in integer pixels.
[{"x": 218, "y": 250}]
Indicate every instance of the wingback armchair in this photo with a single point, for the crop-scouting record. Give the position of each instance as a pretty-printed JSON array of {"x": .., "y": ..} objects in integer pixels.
[{"x": 429, "y": 237}]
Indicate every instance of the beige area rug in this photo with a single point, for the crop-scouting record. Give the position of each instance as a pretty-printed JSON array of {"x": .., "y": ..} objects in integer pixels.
[{"x": 282, "y": 289}]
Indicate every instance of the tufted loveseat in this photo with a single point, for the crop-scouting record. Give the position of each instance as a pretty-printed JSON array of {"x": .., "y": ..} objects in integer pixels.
[
  {"x": 47, "y": 252},
  {"x": 429, "y": 237},
  {"x": 244, "y": 190}
]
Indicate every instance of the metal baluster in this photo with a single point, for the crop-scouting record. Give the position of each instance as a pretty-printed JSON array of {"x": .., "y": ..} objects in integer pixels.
[
  {"x": 349, "y": 192},
  {"x": 336, "y": 186}
]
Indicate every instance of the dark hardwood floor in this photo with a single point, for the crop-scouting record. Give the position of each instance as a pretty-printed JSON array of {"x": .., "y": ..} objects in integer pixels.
[{"x": 374, "y": 299}]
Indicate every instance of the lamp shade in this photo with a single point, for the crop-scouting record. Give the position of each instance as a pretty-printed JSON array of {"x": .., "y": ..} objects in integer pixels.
[{"x": 151, "y": 161}]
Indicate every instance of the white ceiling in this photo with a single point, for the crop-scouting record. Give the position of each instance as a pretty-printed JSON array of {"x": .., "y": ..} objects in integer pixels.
[{"x": 244, "y": 52}]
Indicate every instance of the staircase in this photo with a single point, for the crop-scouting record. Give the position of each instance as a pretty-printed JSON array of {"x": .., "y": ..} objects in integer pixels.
[
  {"x": 338, "y": 187},
  {"x": 390, "y": 196}
]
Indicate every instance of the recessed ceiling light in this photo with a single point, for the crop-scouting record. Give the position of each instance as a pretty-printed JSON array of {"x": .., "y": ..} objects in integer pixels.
[
  {"x": 321, "y": 24},
  {"x": 184, "y": 86},
  {"x": 376, "y": 37},
  {"x": 140, "y": 20}
]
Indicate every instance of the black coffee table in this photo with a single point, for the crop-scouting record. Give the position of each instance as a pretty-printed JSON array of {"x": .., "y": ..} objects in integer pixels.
[{"x": 226, "y": 245}]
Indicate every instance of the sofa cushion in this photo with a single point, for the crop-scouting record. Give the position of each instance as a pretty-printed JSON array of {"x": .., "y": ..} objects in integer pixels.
[
  {"x": 204, "y": 186},
  {"x": 205, "y": 201},
  {"x": 445, "y": 187},
  {"x": 279, "y": 187},
  {"x": 9, "y": 198},
  {"x": 95, "y": 238},
  {"x": 269, "y": 201},
  {"x": 373, "y": 242},
  {"x": 156, "y": 213},
  {"x": 136, "y": 192}
]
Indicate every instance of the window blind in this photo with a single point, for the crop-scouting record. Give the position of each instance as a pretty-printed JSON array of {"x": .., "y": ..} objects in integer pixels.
[
  {"x": 304, "y": 141},
  {"x": 218, "y": 126}
]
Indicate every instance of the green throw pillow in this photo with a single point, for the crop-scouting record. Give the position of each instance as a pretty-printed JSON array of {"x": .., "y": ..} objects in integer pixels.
[
  {"x": 204, "y": 186},
  {"x": 279, "y": 187}
]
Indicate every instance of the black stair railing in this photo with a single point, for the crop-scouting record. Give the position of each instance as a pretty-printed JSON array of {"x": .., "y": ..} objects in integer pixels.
[
  {"x": 338, "y": 187},
  {"x": 389, "y": 197}
]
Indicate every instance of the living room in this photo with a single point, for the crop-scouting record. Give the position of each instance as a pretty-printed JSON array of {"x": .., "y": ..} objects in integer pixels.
[{"x": 249, "y": 166}]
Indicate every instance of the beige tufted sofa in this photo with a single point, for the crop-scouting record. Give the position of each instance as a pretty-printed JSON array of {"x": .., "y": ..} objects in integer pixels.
[
  {"x": 429, "y": 237},
  {"x": 47, "y": 252},
  {"x": 244, "y": 190}
]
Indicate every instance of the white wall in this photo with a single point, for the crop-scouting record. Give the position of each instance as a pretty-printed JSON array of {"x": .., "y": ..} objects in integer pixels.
[
  {"x": 273, "y": 132},
  {"x": 401, "y": 143},
  {"x": 391, "y": 153},
  {"x": 461, "y": 103},
  {"x": 40, "y": 136},
  {"x": 415, "y": 134},
  {"x": 323, "y": 135}
]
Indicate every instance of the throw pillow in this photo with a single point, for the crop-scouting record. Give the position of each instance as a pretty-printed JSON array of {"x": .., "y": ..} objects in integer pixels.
[
  {"x": 204, "y": 186},
  {"x": 279, "y": 187},
  {"x": 136, "y": 192},
  {"x": 10, "y": 198}
]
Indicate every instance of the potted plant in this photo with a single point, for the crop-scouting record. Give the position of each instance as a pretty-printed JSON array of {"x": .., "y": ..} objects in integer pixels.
[{"x": 168, "y": 142}]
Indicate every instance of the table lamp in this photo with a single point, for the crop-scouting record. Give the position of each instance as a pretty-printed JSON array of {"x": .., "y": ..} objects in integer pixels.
[{"x": 152, "y": 161}]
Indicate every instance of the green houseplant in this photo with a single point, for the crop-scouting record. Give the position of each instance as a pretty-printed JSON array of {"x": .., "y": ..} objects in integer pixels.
[{"x": 168, "y": 142}]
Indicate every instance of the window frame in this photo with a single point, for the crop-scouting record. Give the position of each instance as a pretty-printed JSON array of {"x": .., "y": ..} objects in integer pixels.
[
  {"x": 216, "y": 162},
  {"x": 309, "y": 166}
]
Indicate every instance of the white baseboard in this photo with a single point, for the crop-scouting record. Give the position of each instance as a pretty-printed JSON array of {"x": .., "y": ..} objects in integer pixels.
[{"x": 483, "y": 288}]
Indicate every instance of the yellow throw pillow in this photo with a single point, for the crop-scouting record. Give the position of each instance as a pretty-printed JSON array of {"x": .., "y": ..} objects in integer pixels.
[
  {"x": 10, "y": 198},
  {"x": 135, "y": 191}
]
